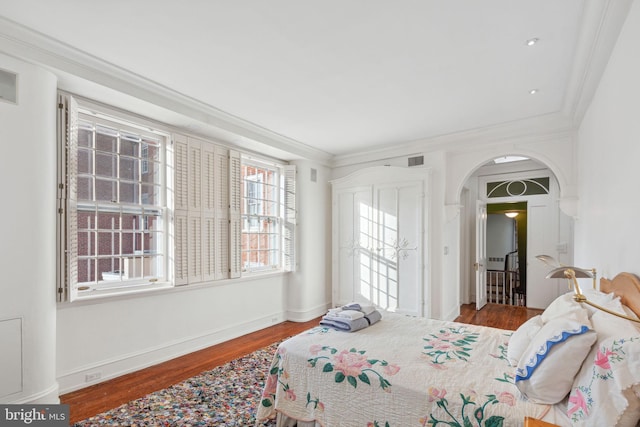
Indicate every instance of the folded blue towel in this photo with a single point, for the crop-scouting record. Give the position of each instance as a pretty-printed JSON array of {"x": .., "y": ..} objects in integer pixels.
[
  {"x": 373, "y": 317},
  {"x": 346, "y": 325},
  {"x": 351, "y": 325}
]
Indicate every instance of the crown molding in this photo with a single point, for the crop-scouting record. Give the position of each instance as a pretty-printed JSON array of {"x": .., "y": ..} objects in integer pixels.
[
  {"x": 71, "y": 63},
  {"x": 602, "y": 22},
  {"x": 528, "y": 130}
]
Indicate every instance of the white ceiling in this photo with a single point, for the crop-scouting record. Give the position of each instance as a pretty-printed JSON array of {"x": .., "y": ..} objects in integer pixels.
[{"x": 337, "y": 76}]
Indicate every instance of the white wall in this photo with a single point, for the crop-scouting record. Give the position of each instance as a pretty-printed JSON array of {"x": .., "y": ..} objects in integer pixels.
[
  {"x": 608, "y": 230},
  {"x": 500, "y": 240},
  {"x": 107, "y": 338},
  {"x": 27, "y": 221},
  {"x": 309, "y": 288},
  {"x": 121, "y": 335}
]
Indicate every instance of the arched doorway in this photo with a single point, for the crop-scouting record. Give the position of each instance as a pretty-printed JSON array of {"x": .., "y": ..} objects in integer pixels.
[{"x": 548, "y": 231}]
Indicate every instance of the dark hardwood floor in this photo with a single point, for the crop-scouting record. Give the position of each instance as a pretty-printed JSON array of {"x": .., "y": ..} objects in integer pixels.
[{"x": 98, "y": 398}]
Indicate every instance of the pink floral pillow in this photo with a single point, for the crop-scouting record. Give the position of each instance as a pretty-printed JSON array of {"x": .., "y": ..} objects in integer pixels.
[{"x": 604, "y": 391}]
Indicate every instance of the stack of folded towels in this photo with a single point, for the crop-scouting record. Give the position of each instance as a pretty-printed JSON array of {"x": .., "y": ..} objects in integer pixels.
[{"x": 351, "y": 317}]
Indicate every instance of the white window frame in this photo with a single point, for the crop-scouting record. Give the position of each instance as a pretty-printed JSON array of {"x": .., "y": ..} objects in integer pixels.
[
  {"x": 69, "y": 289},
  {"x": 282, "y": 220}
]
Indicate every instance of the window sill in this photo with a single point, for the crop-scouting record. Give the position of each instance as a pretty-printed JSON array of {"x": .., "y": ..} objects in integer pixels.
[{"x": 122, "y": 294}]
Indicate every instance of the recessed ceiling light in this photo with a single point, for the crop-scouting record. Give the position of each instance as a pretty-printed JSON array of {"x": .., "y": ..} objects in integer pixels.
[
  {"x": 533, "y": 91},
  {"x": 532, "y": 41}
]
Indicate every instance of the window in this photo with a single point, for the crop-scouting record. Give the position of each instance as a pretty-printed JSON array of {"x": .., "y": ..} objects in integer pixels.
[
  {"x": 142, "y": 208},
  {"x": 268, "y": 216},
  {"x": 114, "y": 205}
]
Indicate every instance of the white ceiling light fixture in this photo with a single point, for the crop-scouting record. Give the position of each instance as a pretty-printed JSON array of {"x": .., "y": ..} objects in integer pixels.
[
  {"x": 532, "y": 41},
  {"x": 533, "y": 91},
  {"x": 511, "y": 214}
]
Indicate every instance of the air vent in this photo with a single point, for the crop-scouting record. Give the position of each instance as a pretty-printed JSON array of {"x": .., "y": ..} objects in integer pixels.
[{"x": 416, "y": 161}]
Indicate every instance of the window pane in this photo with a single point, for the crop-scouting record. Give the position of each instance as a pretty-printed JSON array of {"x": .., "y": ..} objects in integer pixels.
[
  {"x": 152, "y": 243},
  {"x": 85, "y": 188},
  {"x": 129, "y": 168},
  {"x": 108, "y": 220},
  {"x": 106, "y": 190},
  {"x": 129, "y": 148},
  {"x": 106, "y": 165},
  {"x": 150, "y": 172},
  {"x": 106, "y": 139},
  {"x": 151, "y": 149},
  {"x": 86, "y": 270},
  {"x": 85, "y": 135},
  {"x": 127, "y": 243},
  {"x": 108, "y": 243},
  {"x": 116, "y": 239},
  {"x": 129, "y": 193},
  {"x": 85, "y": 161},
  {"x": 86, "y": 245},
  {"x": 150, "y": 194},
  {"x": 109, "y": 269}
]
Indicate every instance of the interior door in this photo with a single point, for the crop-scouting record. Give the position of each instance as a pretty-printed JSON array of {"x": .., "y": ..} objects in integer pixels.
[{"x": 481, "y": 254}]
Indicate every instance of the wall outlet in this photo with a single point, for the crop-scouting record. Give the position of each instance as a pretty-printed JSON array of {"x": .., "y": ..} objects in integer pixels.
[{"x": 92, "y": 377}]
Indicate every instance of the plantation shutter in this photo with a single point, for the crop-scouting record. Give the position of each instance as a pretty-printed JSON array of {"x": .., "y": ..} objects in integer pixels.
[
  {"x": 67, "y": 229},
  {"x": 235, "y": 221},
  {"x": 181, "y": 205},
  {"x": 181, "y": 180},
  {"x": 194, "y": 225},
  {"x": 181, "y": 268},
  {"x": 202, "y": 220},
  {"x": 289, "y": 214},
  {"x": 208, "y": 212},
  {"x": 221, "y": 213}
]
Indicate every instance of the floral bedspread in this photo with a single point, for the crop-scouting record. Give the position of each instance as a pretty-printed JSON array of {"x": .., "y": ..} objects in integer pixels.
[{"x": 399, "y": 372}]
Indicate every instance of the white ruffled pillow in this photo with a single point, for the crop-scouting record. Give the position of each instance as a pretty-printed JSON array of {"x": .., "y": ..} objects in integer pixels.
[
  {"x": 605, "y": 391},
  {"x": 565, "y": 304},
  {"x": 521, "y": 338},
  {"x": 548, "y": 366}
]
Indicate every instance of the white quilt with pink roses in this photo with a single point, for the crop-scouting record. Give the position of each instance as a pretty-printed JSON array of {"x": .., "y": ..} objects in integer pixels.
[{"x": 399, "y": 372}]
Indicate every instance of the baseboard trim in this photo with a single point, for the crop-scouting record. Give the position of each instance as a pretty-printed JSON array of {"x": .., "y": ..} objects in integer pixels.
[
  {"x": 306, "y": 315},
  {"x": 44, "y": 397},
  {"x": 128, "y": 363}
]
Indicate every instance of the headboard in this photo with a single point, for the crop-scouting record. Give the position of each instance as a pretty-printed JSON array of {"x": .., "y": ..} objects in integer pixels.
[{"x": 627, "y": 287}]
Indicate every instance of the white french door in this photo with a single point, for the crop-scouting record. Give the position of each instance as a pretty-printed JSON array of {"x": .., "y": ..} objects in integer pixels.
[{"x": 480, "y": 264}]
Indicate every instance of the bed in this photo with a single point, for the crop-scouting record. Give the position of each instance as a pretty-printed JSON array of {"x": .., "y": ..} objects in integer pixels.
[{"x": 406, "y": 371}]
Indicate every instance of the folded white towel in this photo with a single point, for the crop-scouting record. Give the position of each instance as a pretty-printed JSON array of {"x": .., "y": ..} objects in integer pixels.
[
  {"x": 367, "y": 309},
  {"x": 350, "y": 314}
]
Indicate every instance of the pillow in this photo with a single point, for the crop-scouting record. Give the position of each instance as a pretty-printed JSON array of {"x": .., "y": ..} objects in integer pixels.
[
  {"x": 562, "y": 307},
  {"x": 631, "y": 314},
  {"x": 605, "y": 391},
  {"x": 521, "y": 338},
  {"x": 552, "y": 359},
  {"x": 607, "y": 325}
]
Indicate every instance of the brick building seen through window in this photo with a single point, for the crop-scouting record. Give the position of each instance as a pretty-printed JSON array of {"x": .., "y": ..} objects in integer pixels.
[
  {"x": 260, "y": 217},
  {"x": 119, "y": 215}
]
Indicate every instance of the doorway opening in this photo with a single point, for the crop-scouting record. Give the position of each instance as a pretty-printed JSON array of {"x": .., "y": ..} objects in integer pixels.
[
  {"x": 506, "y": 253},
  {"x": 541, "y": 227}
]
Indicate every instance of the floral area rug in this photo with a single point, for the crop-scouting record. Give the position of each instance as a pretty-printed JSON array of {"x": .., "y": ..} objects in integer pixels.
[{"x": 225, "y": 396}]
